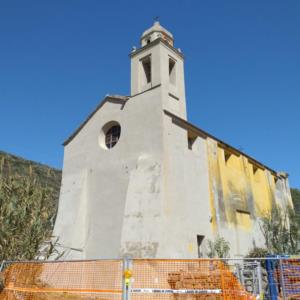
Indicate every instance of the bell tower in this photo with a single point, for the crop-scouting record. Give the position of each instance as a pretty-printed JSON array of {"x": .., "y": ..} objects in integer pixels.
[{"x": 158, "y": 64}]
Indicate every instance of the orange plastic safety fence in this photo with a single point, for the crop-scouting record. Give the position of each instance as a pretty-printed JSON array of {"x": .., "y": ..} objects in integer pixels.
[
  {"x": 102, "y": 279},
  {"x": 212, "y": 279},
  {"x": 70, "y": 280}
]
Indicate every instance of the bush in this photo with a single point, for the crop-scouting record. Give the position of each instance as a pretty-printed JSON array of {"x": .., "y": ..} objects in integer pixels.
[
  {"x": 257, "y": 252},
  {"x": 296, "y": 199},
  {"x": 281, "y": 231},
  {"x": 27, "y": 214},
  {"x": 219, "y": 248}
]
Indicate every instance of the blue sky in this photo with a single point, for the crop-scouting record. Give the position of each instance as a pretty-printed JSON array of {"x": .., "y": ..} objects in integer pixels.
[{"x": 59, "y": 58}]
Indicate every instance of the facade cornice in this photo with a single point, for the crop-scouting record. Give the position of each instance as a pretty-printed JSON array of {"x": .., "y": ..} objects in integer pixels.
[
  {"x": 151, "y": 88},
  {"x": 200, "y": 132},
  {"x": 154, "y": 43}
]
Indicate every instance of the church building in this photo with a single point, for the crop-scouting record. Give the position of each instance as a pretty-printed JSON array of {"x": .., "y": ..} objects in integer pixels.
[{"x": 140, "y": 180}]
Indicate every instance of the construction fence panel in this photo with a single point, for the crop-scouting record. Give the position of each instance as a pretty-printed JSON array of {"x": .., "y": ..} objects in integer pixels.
[
  {"x": 153, "y": 279},
  {"x": 290, "y": 277},
  {"x": 98, "y": 279},
  {"x": 186, "y": 279}
]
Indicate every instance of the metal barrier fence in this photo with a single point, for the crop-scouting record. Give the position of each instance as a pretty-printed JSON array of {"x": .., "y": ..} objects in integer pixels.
[{"x": 153, "y": 279}]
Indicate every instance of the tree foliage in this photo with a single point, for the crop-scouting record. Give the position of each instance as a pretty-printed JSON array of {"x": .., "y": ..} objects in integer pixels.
[
  {"x": 281, "y": 231},
  {"x": 257, "y": 252},
  {"x": 219, "y": 248},
  {"x": 45, "y": 175},
  {"x": 296, "y": 199},
  {"x": 27, "y": 214}
]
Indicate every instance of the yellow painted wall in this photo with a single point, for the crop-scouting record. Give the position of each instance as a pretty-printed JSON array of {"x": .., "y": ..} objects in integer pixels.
[{"x": 240, "y": 192}]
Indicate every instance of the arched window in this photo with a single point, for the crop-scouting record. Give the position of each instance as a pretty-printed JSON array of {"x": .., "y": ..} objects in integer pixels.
[{"x": 112, "y": 136}]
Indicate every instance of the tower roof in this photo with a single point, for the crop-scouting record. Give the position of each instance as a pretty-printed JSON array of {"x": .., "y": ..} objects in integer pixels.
[
  {"x": 156, "y": 27},
  {"x": 156, "y": 31}
]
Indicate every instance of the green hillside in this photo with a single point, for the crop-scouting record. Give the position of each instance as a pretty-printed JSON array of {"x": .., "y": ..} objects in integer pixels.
[
  {"x": 17, "y": 166},
  {"x": 296, "y": 199},
  {"x": 29, "y": 194}
]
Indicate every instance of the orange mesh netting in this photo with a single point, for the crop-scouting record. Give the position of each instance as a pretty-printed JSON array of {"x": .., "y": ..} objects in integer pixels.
[
  {"x": 70, "y": 280},
  {"x": 212, "y": 277},
  {"x": 151, "y": 279}
]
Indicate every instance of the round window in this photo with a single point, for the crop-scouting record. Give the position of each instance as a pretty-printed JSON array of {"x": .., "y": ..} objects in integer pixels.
[{"x": 110, "y": 135}]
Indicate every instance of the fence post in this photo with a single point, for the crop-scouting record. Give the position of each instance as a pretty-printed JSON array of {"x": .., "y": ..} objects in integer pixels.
[
  {"x": 2, "y": 265},
  {"x": 127, "y": 273},
  {"x": 259, "y": 278},
  {"x": 221, "y": 268},
  {"x": 282, "y": 279},
  {"x": 271, "y": 280}
]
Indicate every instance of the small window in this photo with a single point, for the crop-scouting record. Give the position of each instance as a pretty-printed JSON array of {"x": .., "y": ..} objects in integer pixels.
[
  {"x": 146, "y": 66},
  {"x": 243, "y": 219},
  {"x": 112, "y": 136},
  {"x": 200, "y": 239},
  {"x": 172, "y": 71}
]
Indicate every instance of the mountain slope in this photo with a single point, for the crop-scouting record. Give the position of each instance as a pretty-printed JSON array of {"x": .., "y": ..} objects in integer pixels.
[
  {"x": 29, "y": 195},
  {"x": 296, "y": 199},
  {"x": 18, "y": 166}
]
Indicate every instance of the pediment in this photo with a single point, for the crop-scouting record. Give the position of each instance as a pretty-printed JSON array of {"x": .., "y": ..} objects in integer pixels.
[{"x": 117, "y": 99}]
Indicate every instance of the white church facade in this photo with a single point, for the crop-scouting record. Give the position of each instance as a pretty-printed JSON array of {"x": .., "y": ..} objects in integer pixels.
[{"x": 140, "y": 180}]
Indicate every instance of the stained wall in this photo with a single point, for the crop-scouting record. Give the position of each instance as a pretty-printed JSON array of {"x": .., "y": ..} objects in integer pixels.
[{"x": 241, "y": 192}]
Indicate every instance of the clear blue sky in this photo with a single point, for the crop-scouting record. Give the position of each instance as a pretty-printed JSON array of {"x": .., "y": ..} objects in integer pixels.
[{"x": 59, "y": 58}]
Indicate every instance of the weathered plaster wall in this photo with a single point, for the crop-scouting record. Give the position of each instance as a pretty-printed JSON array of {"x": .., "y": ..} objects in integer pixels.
[
  {"x": 152, "y": 194},
  {"x": 97, "y": 183},
  {"x": 240, "y": 194}
]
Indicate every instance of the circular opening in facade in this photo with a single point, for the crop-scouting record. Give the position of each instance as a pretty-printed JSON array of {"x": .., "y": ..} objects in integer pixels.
[{"x": 110, "y": 135}]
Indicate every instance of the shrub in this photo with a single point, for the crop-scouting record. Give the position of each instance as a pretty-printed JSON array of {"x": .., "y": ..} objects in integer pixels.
[
  {"x": 219, "y": 248},
  {"x": 281, "y": 231},
  {"x": 257, "y": 252},
  {"x": 27, "y": 213}
]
